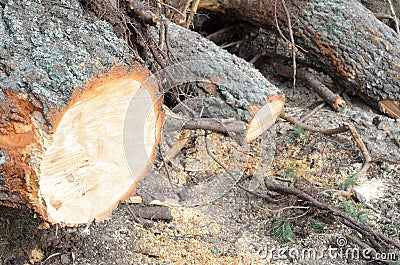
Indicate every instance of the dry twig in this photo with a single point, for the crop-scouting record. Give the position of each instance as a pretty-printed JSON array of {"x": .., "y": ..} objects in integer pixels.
[
  {"x": 192, "y": 13},
  {"x": 277, "y": 23},
  {"x": 347, "y": 127},
  {"x": 151, "y": 212},
  {"x": 257, "y": 194},
  {"x": 312, "y": 112},
  {"x": 396, "y": 20},
  {"x": 294, "y": 49},
  {"x": 343, "y": 217},
  {"x": 166, "y": 166}
]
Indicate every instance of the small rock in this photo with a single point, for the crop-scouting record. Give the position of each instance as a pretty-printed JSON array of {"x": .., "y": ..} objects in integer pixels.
[
  {"x": 215, "y": 251},
  {"x": 369, "y": 190},
  {"x": 36, "y": 255},
  {"x": 65, "y": 259},
  {"x": 284, "y": 128},
  {"x": 384, "y": 127}
]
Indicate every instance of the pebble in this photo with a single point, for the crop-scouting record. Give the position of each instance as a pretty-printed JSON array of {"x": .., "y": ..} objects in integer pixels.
[
  {"x": 369, "y": 190},
  {"x": 65, "y": 259}
]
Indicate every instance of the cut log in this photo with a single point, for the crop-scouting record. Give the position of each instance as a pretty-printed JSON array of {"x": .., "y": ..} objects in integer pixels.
[
  {"x": 73, "y": 141},
  {"x": 235, "y": 82},
  {"x": 342, "y": 36}
]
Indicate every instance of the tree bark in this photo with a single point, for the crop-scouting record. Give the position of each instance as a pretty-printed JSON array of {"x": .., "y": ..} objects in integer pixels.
[
  {"x": 233, "y": 87},
  {"x": 66, "y": 140},
  {"x": 341, "y": 36},
  {"x": 80, "y": 117}
]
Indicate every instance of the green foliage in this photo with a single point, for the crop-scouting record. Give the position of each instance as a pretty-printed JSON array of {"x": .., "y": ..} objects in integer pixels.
[
  {"x": 351, "y": 181},
  {"x": 299, "y": 132},
  {"x": 362, "y": 216},
  {"x": 290, "y": 173},
  {"x": 350, "y": 208},
  {"x": 317, "y": 224},
  {"x": 283, "y": 231}
]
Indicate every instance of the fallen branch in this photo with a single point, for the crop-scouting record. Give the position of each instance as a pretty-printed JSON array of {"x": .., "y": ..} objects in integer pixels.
[
  {"x": 334, "y": 100},
  {"x": 212, "y": 124},
  {"x": 347, "y": 127},
  {"x": 346, "y": 218},
  {"x": 312, "y": 112}
]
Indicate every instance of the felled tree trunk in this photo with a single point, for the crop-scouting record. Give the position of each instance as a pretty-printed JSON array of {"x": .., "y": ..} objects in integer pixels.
[
  {"x": 80, "y": 119},
  {"x": 243, "y": 92},
  {"x": 341, "y": 36},
  {"x": 77, "y": 127}
]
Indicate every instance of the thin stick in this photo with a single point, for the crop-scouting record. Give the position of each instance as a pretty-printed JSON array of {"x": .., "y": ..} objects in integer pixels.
[
  {"x": 51, "y": 256},
  {"x": 382, "y": 159},
  {"x": 312, "y": 112},
  {"x": 231, "y": 44},
  {"x": 166, "y": 166},
  {"x": 171, "y": 7},
  {"x": 324, "y": 206},
  {"x": 255, "y": 58},
  {"x": 292, "y": 41},
  {"x": 259, "y": 195},
  {"x": 396, "y": 20},
  {"x": 277, "y": 24},
  {"x": 220, "y": 32},
  {"x": 170, "y": 54},
  {"x": 192, "y": 12},
  {"x": 306, "y": 127},
  {"x": 177, "y": 123},
  {"x": 347, "y": 127}
]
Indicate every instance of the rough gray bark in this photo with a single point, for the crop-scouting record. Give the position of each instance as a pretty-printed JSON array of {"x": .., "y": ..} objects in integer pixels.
[
  {"x": 382, "y": 7},
  {"x": 341, "y": 36},
  {"x": 50, "y": 56},
  {"x": 241, "y": 89},
  {"x": 242, "y": 85},
  {"x": 48, "y": 51}
]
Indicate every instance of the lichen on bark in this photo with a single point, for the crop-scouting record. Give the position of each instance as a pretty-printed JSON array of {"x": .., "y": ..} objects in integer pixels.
[{"x": 48, "y": 49}]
